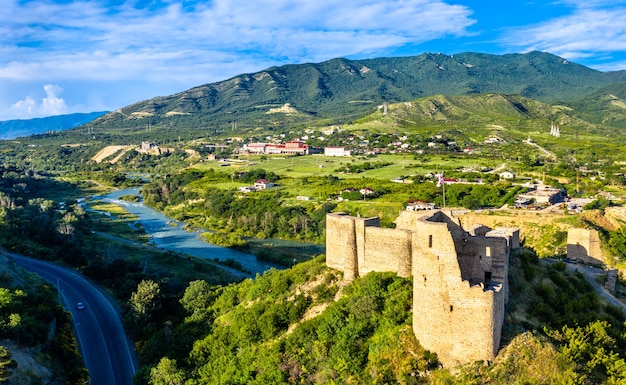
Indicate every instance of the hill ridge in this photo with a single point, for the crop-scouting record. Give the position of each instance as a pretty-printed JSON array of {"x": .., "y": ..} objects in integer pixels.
[
  {"x": 10, "y": 129},
  {"x": 340, "y": 89}
]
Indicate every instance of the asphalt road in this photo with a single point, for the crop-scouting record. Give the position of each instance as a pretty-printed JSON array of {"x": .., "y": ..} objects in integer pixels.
[
  {"x": 591, "y": 273},
  {"x": 106, "y": 350}
]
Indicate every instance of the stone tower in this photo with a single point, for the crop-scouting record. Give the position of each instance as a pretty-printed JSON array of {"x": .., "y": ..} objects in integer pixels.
[
  {"x": 584, "y": 246},
  {"x": 460, "y": 278}
]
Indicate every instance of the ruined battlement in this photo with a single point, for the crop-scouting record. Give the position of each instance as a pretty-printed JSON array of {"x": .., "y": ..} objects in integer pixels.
[
  {"x": 460, "y": 278},
  {"x": 584, "y": 246}
]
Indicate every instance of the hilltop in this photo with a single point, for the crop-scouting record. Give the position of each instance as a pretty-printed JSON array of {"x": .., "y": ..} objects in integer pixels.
[{"x": 340, "y": 90}]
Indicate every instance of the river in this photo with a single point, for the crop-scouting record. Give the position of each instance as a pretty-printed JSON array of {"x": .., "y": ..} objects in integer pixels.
[{"x": 166, "y": 236}]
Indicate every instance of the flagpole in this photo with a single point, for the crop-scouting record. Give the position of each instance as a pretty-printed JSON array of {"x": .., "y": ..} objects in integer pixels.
[
  {"x": 441, "y": 181},
  {"x": 443, "y": 185}
]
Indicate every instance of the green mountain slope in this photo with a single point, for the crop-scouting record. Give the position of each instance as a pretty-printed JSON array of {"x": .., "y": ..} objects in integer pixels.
[
  {"x": 605, "y": 106},
  {"x": 479, "y": 115},
  {"x": 340, "y": 90}
]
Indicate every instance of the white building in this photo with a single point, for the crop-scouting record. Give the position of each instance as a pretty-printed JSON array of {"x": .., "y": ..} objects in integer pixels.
[
  {"x": 507, "y": 175},
  {"x": 336, "y": 151},
  {"x": 263, "y": 184}
]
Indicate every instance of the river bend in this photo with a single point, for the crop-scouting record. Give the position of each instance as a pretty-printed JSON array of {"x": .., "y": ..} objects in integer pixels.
[{"x": 174, "y": 238}]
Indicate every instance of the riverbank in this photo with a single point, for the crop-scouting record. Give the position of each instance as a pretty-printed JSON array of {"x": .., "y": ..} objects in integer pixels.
[{"x": 180, "y": 240}]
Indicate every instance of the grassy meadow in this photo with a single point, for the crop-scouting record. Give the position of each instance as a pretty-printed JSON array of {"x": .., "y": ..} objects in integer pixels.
[{"x": 319, "y": 165}]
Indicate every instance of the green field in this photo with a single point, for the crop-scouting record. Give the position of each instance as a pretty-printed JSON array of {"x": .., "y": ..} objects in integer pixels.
[{"x": 319, "y": 165}]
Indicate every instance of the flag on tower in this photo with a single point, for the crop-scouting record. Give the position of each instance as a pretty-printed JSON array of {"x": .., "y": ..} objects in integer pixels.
[{"x": 439, "y": 179}]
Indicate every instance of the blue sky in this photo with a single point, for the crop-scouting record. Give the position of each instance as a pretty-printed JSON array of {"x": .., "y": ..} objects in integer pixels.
[{"x": 65, "y": 56}]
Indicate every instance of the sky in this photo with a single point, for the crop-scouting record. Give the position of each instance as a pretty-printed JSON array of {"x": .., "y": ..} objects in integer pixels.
[{"x": 64, "y": 56}]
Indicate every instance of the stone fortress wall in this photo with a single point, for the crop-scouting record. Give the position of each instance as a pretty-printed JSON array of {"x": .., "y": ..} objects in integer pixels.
[
  {"x": 460, "y": 278},
  {"x": 584, "y": 246}
]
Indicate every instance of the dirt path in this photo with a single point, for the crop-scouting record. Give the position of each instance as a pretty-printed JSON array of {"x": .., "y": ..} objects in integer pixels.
[
  {"x": 548, "y": 153},
  {"x": 108, "y": 151}
]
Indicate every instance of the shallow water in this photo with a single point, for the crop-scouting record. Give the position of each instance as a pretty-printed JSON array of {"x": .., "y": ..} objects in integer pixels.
[{"x": 166, "y": 236}]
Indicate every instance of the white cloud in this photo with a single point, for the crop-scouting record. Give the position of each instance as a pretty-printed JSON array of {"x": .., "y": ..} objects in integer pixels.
[
  {"x": 611, "y": 66},
  {"x": 592, "y": 3},
  {"x": 24, "y": 108},
  {"x": 124, "y": 53},
  {"x": 51, "y": 104},
  {"x": 87, "y": 39},
  {"x": 585, "y": 33}
]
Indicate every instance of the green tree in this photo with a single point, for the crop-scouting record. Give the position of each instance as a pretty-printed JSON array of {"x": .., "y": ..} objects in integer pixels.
[
  {"x": 166, "y": 373},
  {"x": 6, "y": 364},
  {"x": 592, "y": 349},
  {"x": 197, "y": 299},
  {"x": 145, "y": 300}
]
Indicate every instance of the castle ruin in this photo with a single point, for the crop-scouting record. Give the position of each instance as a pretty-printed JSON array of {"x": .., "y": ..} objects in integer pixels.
[
  {"x": 460, "y": 278},
  {"x": 584, "y": 246}
]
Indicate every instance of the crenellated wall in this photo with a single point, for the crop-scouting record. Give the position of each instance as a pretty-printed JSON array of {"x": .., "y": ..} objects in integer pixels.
[{"x": 460, "y": 278}]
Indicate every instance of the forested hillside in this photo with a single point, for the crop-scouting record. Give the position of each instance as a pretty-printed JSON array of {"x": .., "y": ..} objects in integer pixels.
[
  {"x": 273, "y": 330},
  {"x": 340, "y": 90},
  {"x": 605, "y": 106}
]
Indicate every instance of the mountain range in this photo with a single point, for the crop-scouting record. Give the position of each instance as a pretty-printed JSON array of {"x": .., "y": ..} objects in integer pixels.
[
  {"x": 11, "y": 129},
  {"x": 342, "y": 90}
]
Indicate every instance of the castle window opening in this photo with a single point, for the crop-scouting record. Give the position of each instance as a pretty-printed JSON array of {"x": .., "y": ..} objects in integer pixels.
[
  {"x": 451, "y": 308},
  {"x": 430, "y": 240},
  {"x": 487, "y": 277},
  {"x": 488, "y": 251}
]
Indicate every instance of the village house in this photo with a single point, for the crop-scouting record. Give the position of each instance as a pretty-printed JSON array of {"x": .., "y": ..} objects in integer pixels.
[
  {"x": 507, "y": 175},
  {"x": 263, "y": 184},
  {"x": 543, "y": 195},
  {"x": 289, "y": 148},
  {"x": 151, "y": 148}
]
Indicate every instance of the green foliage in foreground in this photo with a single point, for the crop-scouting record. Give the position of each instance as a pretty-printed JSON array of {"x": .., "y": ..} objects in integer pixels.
[
  {"x": 363, "y": 337},
  {"x": 6, "y": 364},
  {"x": 557, "y": 331}
]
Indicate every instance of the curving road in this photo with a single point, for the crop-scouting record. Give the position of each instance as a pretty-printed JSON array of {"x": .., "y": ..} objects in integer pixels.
[{"x": 103, "y": 342}]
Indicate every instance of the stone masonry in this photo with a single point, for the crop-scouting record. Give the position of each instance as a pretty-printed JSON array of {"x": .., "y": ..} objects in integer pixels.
[
  {"x": 460, "y": 278},
  {"x": 584, "y": 246}
]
